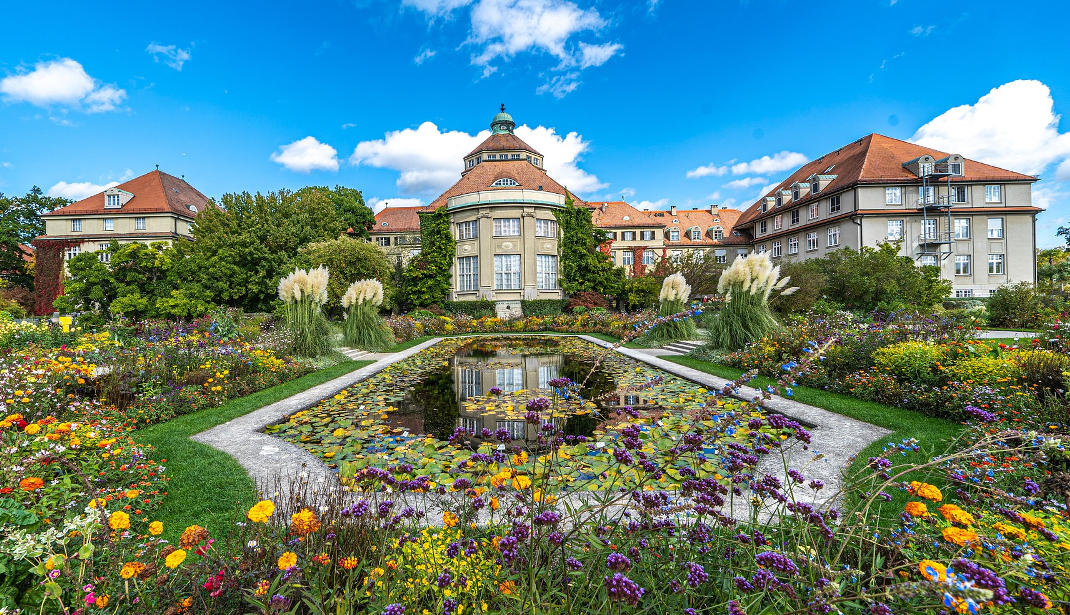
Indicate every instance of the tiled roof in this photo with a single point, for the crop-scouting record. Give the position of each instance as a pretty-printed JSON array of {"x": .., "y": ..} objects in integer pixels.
[
  {"x": 610, "y": 214},
  {"x": 154, "y": 192},
  {"x": 481, "y": 176},
  {"x": 702, "y": 218},
  {"x": 875, "y": 158},
  {"x": 397, "y": 220},
  {"x": 502, "y": 141}
]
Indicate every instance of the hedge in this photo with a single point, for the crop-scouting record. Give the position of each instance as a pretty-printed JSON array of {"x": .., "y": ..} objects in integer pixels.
[
  {"x": 475, "y": 309},
  {"x": 542, "y": 307}
]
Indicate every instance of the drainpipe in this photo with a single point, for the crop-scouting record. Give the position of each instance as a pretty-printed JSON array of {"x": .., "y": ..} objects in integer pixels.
[{"x": 856, "y": 218}]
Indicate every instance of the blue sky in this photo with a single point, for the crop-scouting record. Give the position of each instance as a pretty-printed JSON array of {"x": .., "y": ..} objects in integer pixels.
[{"x": 667, "y": 102}]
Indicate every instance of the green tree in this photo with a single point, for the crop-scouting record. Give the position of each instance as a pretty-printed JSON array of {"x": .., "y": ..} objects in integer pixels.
[
  {"x": 241, "y": 249},
  {"x": 348, "y": 260},
  {"x": 426, "y": 280},
  {"x": 881, "y": 279},
  {"x": 1053, "y": 269},
  {"x": 89, "y": 287},
  {"x": 349, "y": 202},
  {"x": 583, "y": 266},
  {"x": 20, "y": 223}
]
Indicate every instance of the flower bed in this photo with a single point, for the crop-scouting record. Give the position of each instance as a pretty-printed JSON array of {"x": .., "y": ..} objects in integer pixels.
[{"x": 406, "y": 328}]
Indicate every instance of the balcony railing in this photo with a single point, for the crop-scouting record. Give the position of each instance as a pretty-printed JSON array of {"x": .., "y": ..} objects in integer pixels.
[
  {"x": 934, "y": 238},
  {"x": 934, "y": 201},
  {"x": 408, "y": 241}
]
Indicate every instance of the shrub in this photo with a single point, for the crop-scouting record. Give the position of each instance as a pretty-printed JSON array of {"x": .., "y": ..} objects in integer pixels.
[
  {"x": 880, "y": 278},
  {"x": 363, "y": 327},
  {"x": 303, "y": 294},
  {"x": 1042, "y": 369},
  {"x": 586, "y": 299},
  {"x": 1014, "y": 305},
  {"x": 475, "y": 309},
  {"x": 810, "y": 281},
  {"x": 639, "y": 293},
  {"x": 747, "y": 286},
  {"x": 348, "y": 259},
  {"x": 541, "y": 307},
  {"x": 911, "y": 361},
  {"x": 984, "y": 371},
  {"x": 12, "y": 308}
]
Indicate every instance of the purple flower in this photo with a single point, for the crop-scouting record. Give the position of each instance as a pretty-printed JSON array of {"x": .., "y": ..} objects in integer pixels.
[
  {"x": 394, "y": 609},
  {"x": 777, "y": 561},
  {"x": 1030, "y": 487},
  {"x": 879, "y": 608},
  {"x": 574, "y": 563},
  {"x": 547, "y": 517},
  {"x": 982, "y": 415},
  {"x": 1035, "y": 598},
  {"x": 538, "y": 404},
  {"x": 617, "y": 561},
  {"x": 444, "y": 579},
  {"x": 559, "y": 382},
  {"x": 696, "y": 575},
  {"x": 623, "y": 589},
  {"x": 495, "y": 391},
  {"x": 735, "y": 608}
]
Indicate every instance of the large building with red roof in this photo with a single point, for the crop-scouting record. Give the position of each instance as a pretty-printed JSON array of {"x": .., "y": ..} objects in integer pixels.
[
  {"x": 974, "y": 221},
  {"x": 153, "y": 207}
]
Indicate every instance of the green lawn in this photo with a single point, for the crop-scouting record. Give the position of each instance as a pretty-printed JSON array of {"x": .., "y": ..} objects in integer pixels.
[
  {"x": 207, "y": 486},
  {"x": 934, "y": 434}
]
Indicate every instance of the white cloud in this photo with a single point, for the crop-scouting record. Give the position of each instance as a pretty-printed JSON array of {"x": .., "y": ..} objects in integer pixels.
[
  {"x": 436, "y": 8},
  {"x": 597, "y": 55},
  {"x": 77, "y": 191},
  {"x": 706, "y": 170},
  {"x": 171, "y": 55},
  {"x": 5, "y": 164},
  {"x": 781, "y": 161},
  {"x": 61, "y": 82},
  {"x": 648, "y": 205},
  {"x": 745, "y": 182},
  {"x": 560, "y": 85},
  {"x": 1014, "y": 126},
  {"x": 377, "y": 205},
  {"x": 922, "y": 30},
  {"x": 1046, "y": 196},
  {"x": 507, "y": 27},
  {"x": 430, "y": 160},
  {"x": 627, "y": 192},
  {"x": 728, "y": 202},
  {"x": 1063, "y": 172},
  {"x": 424, "y": 56},
  {"x": 305, "y": 155}
]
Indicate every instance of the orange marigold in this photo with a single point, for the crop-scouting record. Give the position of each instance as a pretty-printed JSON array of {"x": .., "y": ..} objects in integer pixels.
[
  {"x": 1033, "y": 522},
  {"x": 449, "y": 519},
  {"x": 304, "y": 523},
  {"x": 119, "y": 520},
  {"x": 32, "y": 483},
  {"x": 927, "y": 491},
  {"x": 261, "y": 511},
  {"x": 192, "y": 536},
  {"x": 287, "y": 560},
  {"x": 960, "y": 536},
  {"x": 954, "y": 514},
  {"x": 1010, "y": 531},
  {"x": 917, "y": 509}
]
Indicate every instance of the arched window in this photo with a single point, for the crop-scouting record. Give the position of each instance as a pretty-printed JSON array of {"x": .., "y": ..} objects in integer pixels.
[{"x": 505, "y": 182}]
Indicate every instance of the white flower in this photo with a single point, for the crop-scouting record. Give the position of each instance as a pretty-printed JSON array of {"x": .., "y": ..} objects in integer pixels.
[
  {"x": 675, "y": 288},
  {"x": 305, "y": 284},
  {"x": 363, "y": 291},
  {"x": 753, "y": 274}
]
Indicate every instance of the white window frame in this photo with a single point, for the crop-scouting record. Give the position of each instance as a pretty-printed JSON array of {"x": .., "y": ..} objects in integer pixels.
[
  {"x": 140, "y": 224},
  {"x": 893, "y": 195},
  {"x": 545, "y": 228},
  {"x": 963, "y": 293},
  {"x": 928, "y": 260},
  {"x": 676, "y": 255},
  {"x": 72, "y": 251},
  {"x": 383, "y": 242},
  {"x": 468, "y": 273},
  {"x": 993, "y": 193},
  {"x": 627, "y": 258},
  {"x": 927, "y": 195},
  {"x": 112, "y": 201},
  {"x": 815, "y": 187},
  {"x": 963, "y": 264},
  {"x": 546, "y": 271},
  {"x": 997, "y": 264},
  {"x": 647, "y": 235},
  {"x": 102, "y": 253},
  {"x": 674, "y": 234},
  {"x": 763, "y": 227},
  {"x": 995, "y": 233},
  {"x": 109, "y": 224},
  {"x": 778, "y": 222},
  {"x": 895, "y": 230},
  {"x": 720, "y": 256},
  {"x": 507, "y": 268},
  {"x": 76, "y": 225},
  {"x": 648, "y": 257},
  {"x": 778, "y": 249},
  {"x": 953, "y": 197},
  {"x": 930, "y": 229},
  {"x": 795, "y": 216},
  {"x": 812, "y": 241},
  {"x": 833, "y": 238},
  {"x": 834, "y": 204},
  {"x": 962, "y": 224},
  {"x": 504, "y": 182},
  {"x": 507, "y": 227},
  {"x": 793, "y": 245},
  {"x": 468, "y": 230},
  {"x": 696, "y": 233},
  {"x": 627, "y": 235},
  {"x": 815, "y": 211},
  {"x": 718, "y": 233}
]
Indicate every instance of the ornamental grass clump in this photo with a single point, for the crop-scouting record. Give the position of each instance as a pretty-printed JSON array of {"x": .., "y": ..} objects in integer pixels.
[
  {"x": 673, "y": 301},
  {"x": 303, "y": 294},
  {"x": 747, "y": 286},
  {"x": 363, "y": 327}
]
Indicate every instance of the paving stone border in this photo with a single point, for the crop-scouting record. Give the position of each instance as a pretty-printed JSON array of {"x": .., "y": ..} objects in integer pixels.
[{"x": 273, "y": 462}]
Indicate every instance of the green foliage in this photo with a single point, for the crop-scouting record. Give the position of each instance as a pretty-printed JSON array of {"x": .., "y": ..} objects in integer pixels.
[
  {"x": 583, "y": 266},
  {"x": 673, "y": 330},
  {"x": 240, "y": 249},
  {"x": 364, "y": 328},
  {"x": 349, "y": 203},
  {"x": 807, "y": 276},
  {"x": 20, "y": 222},
  {"x": 427, "y": 279},
  {"x": 984, "y": 370},
  {"x": 743, "y": 319},
  {"x": 699, "y": 267},
  {"x": 348, "y": 260},
  {"x": 541, "y": 307},
  {"x": 880, "y": 279},
  {"x": 475, "y": 309},
  {"x": 911, "y": 361},
  {"x": 1042, "y": 369},
  {"x": 640, "y": 293},
  {"x": 1015, "y": 305},
  {"x": 89, "y": 286}
]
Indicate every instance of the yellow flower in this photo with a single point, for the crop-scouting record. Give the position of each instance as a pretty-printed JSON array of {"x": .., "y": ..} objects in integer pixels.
[
  {"x": 1010, "y": 531},
  {"x": 934, "y": 571},
  {"x": 101, "y": 602},
  {"x": 131, "y": 569},
  {"x": 960, "y": 536},
  {"x": 32, "y": 428},
  {"x": 261, "y": 511},
  {"x": 304, "y": 523},
  {"x": 521, "y": 482},
  {"x": 1033, "y": 522},
  {"x": 449, "y": 519},
  {"x": 954, "y": 514},
  {"x": 156, "y": 528},
  {"x": 131, "y": 493},
  {"x": 175, "y": 559},
  {"x": 287, "y": 560},
  {"x": 927, "y": 491},
  {"x": 119, "y": 520},
  {"x": 262, "y": 587}
]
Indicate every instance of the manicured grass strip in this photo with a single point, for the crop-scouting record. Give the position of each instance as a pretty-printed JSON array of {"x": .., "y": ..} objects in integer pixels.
[
  {"x": 207, "y": 486},
  {"x": 934, "y": 434}
]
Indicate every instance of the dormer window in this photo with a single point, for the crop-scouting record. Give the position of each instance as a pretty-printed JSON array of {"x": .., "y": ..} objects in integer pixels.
[
  {"x": 955, "y": 168},
  {"x": 814, "y": 187},
  {"x": 386, "y": 223},
  {"x": 505, "y": 182},
  {"x": 111, "y": 201},
  {"x": 696, "y": 233},
  {"x": 795, "y": 194},
  {"x": 192, "y": 208},
  {"x": 779, "y": 201}
]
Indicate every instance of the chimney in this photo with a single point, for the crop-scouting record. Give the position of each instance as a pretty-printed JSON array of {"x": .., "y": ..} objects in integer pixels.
[
  {"x": 672, "y": 209},
  {"x": 713, "y": 207},
  {"x": 603, "y": 208}
]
